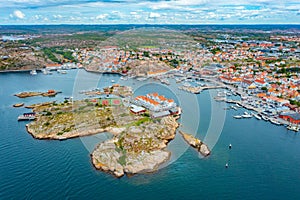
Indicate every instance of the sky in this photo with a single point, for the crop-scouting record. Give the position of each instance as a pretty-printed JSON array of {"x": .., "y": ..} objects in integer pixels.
[{"x": 149, "y": 12}]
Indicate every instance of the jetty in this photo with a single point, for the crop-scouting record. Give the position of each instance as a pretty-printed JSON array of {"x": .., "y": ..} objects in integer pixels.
[
  {"x": 49, "y": 93},
  {"x": 196, "y": 143},
  {"x": 198, "y": 89}
]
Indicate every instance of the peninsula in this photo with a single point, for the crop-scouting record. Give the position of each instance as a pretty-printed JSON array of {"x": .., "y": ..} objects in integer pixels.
[
  {"x": 140, "y": 135},
  {"x": 49, "y": 93}
]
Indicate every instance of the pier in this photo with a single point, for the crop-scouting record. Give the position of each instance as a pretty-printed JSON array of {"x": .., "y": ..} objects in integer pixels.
[{"x": 198, "y": 89}]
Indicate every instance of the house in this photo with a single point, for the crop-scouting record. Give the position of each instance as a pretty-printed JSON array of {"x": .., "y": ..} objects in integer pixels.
[
  {"x": 137, "y": 109},
  {"x": 291, "y": 117}
]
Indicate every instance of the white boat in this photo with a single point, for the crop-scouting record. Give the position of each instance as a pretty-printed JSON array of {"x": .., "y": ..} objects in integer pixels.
[
  {"x": 141, "y": 79},
  {"x": 113, "y": 81},
  {"x": 61, "y": 71},
  {"x": 238, "y": 105},
  {"x": 237, "y": 116},
  {"x": 46, "y": 72},
  {"x": 244, "y": 97},
  {"x": 26, "y": 116},
  {"x": 265, "y": 118},
  {"x": 33, "y": 72},
  {"x": 124, "y": 78},
  {"x": 186, "y": 84},
  {"x": 274, "y": 121},
  {"x": 165, "y": 81},
  {"x": 293, "y": 128},
  {"x": 221, "y": 94},
  {"x": 232, "y": 107},
  {"x": 178, "y": 80},
  {"x": 246, "y": 116},
  {"x": 257, "y": 116}
]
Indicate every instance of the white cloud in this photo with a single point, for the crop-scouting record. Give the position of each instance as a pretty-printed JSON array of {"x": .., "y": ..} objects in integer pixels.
[
  {"x": 37, "y": 17},
  {"x": 133, "y": 13},
  {"x": 158, "y": 11},
  {"x": 154, "y": 15},
  {"x": 102, "y": 16},
  {"x": 57, "y": 16},
  {"x": 18, "y": 14},
  {"x": 190, "y": 2}
]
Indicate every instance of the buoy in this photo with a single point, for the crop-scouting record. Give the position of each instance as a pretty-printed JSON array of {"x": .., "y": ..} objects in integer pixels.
[
  {"x": 226, "y": 165},
  {"x": 230, "y": 146}
]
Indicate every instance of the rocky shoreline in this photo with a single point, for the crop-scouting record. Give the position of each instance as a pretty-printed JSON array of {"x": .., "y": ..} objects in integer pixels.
[
  {"x": 32, "y": 94},
  {"x": 133, "y": 157},
  {"x": 196, "y": 143},
  {"x": 129, "y": 154},
  {"x": 138, "y": 145},
  {"x": 69, "y": 135}
]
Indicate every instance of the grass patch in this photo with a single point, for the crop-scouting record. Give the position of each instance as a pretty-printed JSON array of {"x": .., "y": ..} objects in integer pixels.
[
  {"x": 122, "y": 159},
  {"x": 139, "y": 122}
]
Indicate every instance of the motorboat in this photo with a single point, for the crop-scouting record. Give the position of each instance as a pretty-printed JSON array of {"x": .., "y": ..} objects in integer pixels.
[
  {"x": 33, "y": 72},
  {"x": 246, "y": 115},
  {"x": 293, "y": 128},
  {"x": 274, "y": 121},
  {"x": 237, "y": 116},
  {"x": 257, "y": 116}
]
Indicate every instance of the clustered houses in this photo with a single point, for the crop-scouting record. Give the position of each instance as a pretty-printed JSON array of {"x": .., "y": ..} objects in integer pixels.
[
  {"x": 155, "y": 102},
  {"x": 276, "y": 91},
  {"x": 114, "y": 59},
  {"x": 258, "y": 82},
  {"x": 106, "y": 59}
]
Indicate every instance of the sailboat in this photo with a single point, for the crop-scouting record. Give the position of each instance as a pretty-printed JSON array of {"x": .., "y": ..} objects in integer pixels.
[{"x": 33, "y": 72}]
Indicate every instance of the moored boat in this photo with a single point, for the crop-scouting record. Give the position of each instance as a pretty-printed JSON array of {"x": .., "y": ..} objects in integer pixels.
[
  {"x": 27, "y": 116},
  {"x": 265, "y": 118},
  {"x": 293, "y": 128},
  {"x": 18, "y": 105},
  {"x": 257, "y": 116},
  {"x": 274, "y": 121},
  {"x": 61, "y": 71},
  {"x": 246, "y": 115},
  {"x": 237, "y": 116},
  {"x": 238, "y": 105},
  {"x": 33, "y": 72},
  {"x": 233, "y": 107}
]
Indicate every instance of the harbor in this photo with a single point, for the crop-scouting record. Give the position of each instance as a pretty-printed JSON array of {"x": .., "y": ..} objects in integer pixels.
[{"x": 48, "y": 155}]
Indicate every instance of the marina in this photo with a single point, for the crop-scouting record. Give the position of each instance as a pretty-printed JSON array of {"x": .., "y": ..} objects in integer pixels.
[{"x": 48, "y": 157}]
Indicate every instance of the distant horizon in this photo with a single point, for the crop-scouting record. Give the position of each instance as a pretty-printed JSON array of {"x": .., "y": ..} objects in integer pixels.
[
  {"x": 150, "y": 12},
  {"x": 152, "y": 24}
]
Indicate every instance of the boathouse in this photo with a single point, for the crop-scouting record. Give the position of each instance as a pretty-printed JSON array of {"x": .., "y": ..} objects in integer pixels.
[
  {"x": 291, "y": 117},
  {"x": 137, "y": 109}
]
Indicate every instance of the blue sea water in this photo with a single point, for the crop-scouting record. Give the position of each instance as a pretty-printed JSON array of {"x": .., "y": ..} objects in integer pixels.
[{"x": 264, "y": 162}]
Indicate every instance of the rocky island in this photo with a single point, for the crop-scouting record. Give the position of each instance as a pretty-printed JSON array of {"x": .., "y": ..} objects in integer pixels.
[
  {"x": 139, "y": 138},
  {"x": 139, "y": 141},
  {"x": 49, "y": 93},
  {"x": 137, "y": 149},
  {"x": 196, "y": 143}
]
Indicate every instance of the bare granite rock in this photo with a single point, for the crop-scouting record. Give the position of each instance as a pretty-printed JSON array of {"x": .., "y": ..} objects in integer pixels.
[
  {"x": 139, "y": 149},
  {"x": 196, "y": 143}
]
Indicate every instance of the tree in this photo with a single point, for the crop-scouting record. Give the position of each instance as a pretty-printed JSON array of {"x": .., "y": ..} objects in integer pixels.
[{"x": 264, "y": 88}]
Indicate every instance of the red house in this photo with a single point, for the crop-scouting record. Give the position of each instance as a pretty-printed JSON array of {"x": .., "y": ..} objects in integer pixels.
[{"x": 291, "y": 117}]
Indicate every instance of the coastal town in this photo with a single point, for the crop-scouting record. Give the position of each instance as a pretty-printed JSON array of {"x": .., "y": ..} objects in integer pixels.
[
  {"x": 260, "y": 75},
  {"x": 150, "y": 99}
]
